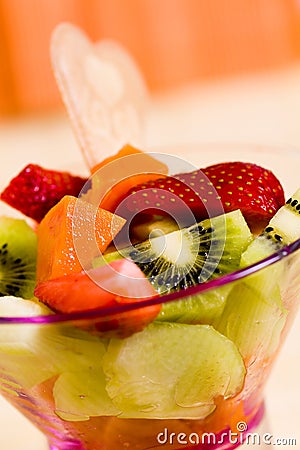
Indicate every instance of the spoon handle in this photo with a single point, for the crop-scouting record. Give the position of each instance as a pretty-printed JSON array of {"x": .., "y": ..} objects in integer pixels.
[{"x": 102, "y": 89}]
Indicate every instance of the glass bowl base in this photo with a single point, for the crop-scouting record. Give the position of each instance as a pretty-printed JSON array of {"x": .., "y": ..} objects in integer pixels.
[{"x": 252, "y": 436}]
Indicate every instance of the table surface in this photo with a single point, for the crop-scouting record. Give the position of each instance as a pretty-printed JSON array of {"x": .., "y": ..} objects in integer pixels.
[{"x": 261, "y": 108}]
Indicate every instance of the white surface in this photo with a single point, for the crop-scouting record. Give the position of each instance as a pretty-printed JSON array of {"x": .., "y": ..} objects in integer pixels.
[{"x": 259, "y": 109}]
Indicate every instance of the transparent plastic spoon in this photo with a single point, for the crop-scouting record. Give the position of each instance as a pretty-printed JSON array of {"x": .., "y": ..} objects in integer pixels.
[{"x": 103, "y": 90}]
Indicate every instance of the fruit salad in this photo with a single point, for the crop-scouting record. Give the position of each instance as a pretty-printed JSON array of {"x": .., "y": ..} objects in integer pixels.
[
  {"x": 141, "y": 307},
  {"x": 144, "y": 316}
]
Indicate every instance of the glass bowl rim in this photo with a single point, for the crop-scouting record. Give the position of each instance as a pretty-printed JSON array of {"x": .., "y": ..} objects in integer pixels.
[{"x": 201, "y": 288}]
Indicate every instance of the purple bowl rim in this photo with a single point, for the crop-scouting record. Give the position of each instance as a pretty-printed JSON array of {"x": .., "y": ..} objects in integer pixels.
[{"x": 200, "y": 288}]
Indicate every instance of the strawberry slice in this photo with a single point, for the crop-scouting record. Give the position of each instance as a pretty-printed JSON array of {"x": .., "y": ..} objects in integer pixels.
[
  {"x": 208, "y": 192},
  {"x": 109, "y": 285},
  {"x": 35, "y": 190}
]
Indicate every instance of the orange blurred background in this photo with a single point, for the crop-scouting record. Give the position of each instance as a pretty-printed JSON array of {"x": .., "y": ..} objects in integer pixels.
[{"x": 173, "y": 41}]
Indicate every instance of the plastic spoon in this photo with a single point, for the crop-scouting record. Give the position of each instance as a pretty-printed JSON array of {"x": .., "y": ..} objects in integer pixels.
[{"x": 103, "y": 90}]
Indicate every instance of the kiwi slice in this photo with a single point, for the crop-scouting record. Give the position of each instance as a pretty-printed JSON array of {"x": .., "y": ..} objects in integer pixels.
[
  {"x": 190, "y": 256},
  {"x": 254, "y": 315},
  {"x": 152, "y": 375},
  {"x": 185, "y": 257},
  {"x": 252, "y": 319},
  {"x": 207, "y": 307},
  {"x": 18, "y": 250},
  {"x": 284, "y": 227},
  {"x": 197, "y": 309}
]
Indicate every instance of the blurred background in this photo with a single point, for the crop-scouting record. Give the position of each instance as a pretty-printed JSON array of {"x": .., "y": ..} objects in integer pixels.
[
  {"x": 175, "y": 42},
  {"x": 220, "y": 69}
]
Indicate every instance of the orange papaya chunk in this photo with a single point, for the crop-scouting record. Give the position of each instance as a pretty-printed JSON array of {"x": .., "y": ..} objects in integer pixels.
[
  {"x": 71, "y": 235},
  {"x": 115, "y": 176},
  {"x": 146, "y": 159}
]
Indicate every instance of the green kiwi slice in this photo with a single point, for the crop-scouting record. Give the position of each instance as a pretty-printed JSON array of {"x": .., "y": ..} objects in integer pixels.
[
  {"x": 187, "y": 257},
  {"x": 18, "y": 250},
  {"x": 284, "y": 227},
  {"x": 255, "y": 315},
  {"x": 197, "y": 309},
  {"x": 190, "y": 256},
  {"x": 206, "y": 308}
]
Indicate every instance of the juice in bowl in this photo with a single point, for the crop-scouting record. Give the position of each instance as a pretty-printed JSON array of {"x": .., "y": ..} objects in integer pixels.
[{"x": 145, "y": 310}]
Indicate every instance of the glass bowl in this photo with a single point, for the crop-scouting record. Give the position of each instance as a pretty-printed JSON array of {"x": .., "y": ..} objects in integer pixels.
[{"x": 62, "y": 377}]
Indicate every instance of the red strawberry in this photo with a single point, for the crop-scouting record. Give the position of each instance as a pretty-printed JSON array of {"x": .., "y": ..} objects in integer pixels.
[
  {"x": 209, "y": 192},
  {"x": 35, "y": 190},
  {"x": 251, "y": 188},
  {"x": 108, "y": 286}
]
